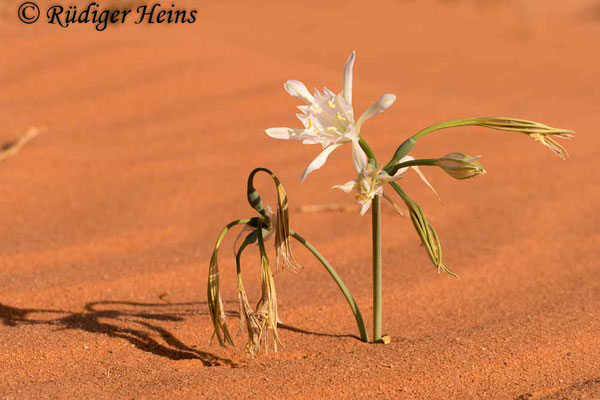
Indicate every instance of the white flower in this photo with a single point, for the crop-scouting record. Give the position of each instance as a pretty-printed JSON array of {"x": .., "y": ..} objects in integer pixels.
[
  {"x": 328, "y": 118},
  {"x": 371, "y": 179}
]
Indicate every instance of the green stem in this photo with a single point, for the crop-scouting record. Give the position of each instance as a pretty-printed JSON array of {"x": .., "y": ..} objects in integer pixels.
[
  {"x": 392, "y": 169},
  {"x": 400, "y": 192},
  {"x": 376, "y": 228},
  {"x": 355, "y": 310},
  {"x": 367, "y": 149},
  {"x": 409, "y": 143},
  {"x": 448, "y": 124},
  {"x": 377, "y": 304}
]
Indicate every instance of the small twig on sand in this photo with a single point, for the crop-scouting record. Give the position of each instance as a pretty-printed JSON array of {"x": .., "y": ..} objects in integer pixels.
[
  {"x": 11, "y": 148},
  {"x": 336, "y": 207},
  {"x": 331, "y": 207}
]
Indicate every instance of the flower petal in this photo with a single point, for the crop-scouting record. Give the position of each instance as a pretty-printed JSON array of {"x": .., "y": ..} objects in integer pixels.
[
  {"x": 299, "y": 91},
  {"x": 418, "y": 171},
  {"x": 365, "y": 207},
  {"x": 319, "y": 161},
  {"x": 401, "y": 171},
  {"x": 377, "y": 108},
  {"x": 346, "y": 187},
  {"x": 389, "y": 200},
  {"x": 310, "y": 140},
  {"x": 347, "y": 78},
  {"x": 359, "y": 157},
  {"x": 328, "y": 93},
  {"x": 386, "y": 178},
  {"x": 285, "y": 133}
]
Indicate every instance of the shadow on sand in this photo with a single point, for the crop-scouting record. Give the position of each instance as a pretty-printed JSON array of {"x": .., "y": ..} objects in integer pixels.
[
  {"x": 134, "y": 322},
  {"x": 131, "y": 321}
]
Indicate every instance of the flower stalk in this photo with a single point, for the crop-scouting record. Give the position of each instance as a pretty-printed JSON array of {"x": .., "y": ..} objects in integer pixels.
[
  {"x": 376, "y": 243},
  {"x": 377, "y": 289}
]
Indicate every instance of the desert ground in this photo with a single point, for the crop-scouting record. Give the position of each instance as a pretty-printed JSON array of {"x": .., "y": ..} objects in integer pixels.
[{"x": 109, "y": 216}]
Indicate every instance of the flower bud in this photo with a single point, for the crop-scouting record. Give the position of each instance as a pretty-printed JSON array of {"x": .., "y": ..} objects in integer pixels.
[{"x": 460, "y": 166}]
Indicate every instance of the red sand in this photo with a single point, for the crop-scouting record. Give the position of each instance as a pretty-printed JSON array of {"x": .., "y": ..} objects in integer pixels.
[{"x": 108, "y": 218}]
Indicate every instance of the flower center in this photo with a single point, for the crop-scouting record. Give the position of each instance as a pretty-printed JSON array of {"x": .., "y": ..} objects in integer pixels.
[{"x": 330, "y": 116}]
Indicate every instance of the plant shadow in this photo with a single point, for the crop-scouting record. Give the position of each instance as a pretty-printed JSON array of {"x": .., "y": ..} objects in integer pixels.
[
  {"x": 134, "y": 322},
  {"x": 306, "y": 332}
]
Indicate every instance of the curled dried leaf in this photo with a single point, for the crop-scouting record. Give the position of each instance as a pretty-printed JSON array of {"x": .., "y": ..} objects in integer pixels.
[{"x": 279, "y": 223}]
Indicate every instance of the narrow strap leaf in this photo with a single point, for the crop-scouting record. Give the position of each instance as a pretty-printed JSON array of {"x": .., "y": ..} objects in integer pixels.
[
  {"x": 215, "y": 302},
  {"x": 341, "y": 285}
]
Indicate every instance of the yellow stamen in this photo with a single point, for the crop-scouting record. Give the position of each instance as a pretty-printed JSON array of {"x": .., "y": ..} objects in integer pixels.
[
  {"x": 341, "y": 117},
  {"x": 331, "y": 103},
  {"x": 333, "y": 129}
]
